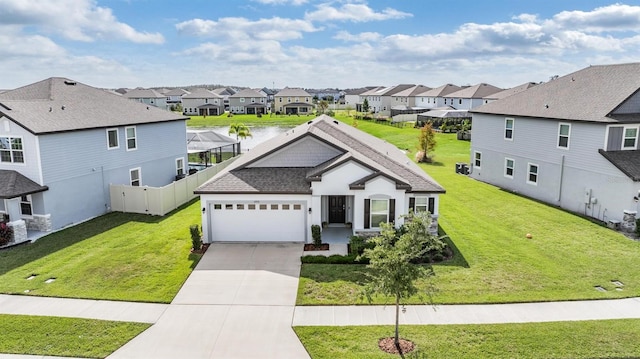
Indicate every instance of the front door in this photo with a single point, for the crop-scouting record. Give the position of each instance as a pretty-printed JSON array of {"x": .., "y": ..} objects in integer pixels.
[{"x": 336, "y": 209}]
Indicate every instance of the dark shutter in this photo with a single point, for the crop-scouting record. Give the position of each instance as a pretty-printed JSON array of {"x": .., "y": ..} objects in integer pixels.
[
  {"x": 392, "y": 210},
  {"x": 412, "y": 204},
  {"x": 432, "y": 205},
  {"x": 367, "y": 214}
]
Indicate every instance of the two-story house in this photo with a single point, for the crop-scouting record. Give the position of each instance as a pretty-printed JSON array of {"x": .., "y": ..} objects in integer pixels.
[
  {"x": 62, "y": 143},
  {"x": 571, "y": 142},
  {"x": 202, "y": 102},
  {"x": 404, "y": 102},
  {"x": 149, "y": 97},
  {"x": 292, "y": 101},
  {"x": 435, "y": 98},
  {"x": 379, "y": 99},
  {"x": 508, "y": 92},
  {"x": 174, "y": 96},
  {"x": 470, "y": 97},
  {"x": 248, "y": 101}
]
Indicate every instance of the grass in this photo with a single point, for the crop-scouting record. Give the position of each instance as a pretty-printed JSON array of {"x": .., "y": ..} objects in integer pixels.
[
  {"x": 495, "y": 263},
  {"x": 249, "y": 120},
  {"x": 118, "y": 256},
  {"x": 70, "y": 337},
  {"x": 587, "y": 339}
]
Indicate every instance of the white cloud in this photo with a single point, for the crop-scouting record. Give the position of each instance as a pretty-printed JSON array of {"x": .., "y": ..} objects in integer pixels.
[
  {"x": 79, "y": 20},
  {"x": 353, "y": 13},
  {"x": 616, "y": 17},
  {"x": 361, "y": 37},
  {"x": 282, "y": 2},
  {"x": 235, "y": 28}
]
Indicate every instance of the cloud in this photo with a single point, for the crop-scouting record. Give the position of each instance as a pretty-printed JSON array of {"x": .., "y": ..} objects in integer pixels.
[
  {"x": 616, "y": 17},
  {"x": 361, "y": 37},
  {"x": 235, "y": 28},
  {"x": 282, "y": 2},
  {"x": 79, "y": 20},
  {"x": 353, "y": 13}
]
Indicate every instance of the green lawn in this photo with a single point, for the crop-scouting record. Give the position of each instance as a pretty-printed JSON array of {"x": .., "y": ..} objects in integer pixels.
[
  {"x": 564, "y": 260},
  {"x": 71, "y": 337},
  {"x": 117, "y": 256},
  {"x": 588, "y": 339},
  {"x": 249, "y": 120}
]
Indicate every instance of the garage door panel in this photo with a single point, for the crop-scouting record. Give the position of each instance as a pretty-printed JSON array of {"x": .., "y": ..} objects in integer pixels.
[{"x": 264, "y": 222}]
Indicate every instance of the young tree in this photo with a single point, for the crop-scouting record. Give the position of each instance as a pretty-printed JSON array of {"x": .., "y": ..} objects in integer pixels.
[
  {"x": 391, "y": 260},
  {"x": 365, "y": 106},
  {"x": 426, "y": 143},
  {"x": 322, "y": 106},
  {"x": 240, "y": 130},
  {"x": 349, "y": 108}
]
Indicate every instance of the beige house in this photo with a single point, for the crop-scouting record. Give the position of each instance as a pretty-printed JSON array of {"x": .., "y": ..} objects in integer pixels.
[{"x": 292, "y": 101}]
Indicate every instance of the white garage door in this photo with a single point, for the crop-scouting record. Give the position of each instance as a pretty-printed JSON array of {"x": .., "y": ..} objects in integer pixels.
[{"x": 258, "y": 222}]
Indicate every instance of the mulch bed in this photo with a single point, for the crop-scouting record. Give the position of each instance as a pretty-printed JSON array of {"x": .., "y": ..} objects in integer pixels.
[
  {"x": 387, "y": 345},
  {"x": 202, "y": 249},
  {"x": 312, "y": 247}
]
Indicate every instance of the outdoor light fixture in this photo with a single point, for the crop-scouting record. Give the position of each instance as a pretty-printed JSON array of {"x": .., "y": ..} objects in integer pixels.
[
  {"x": 309, "y": 209},
  {"x": 204, "y": 209}
]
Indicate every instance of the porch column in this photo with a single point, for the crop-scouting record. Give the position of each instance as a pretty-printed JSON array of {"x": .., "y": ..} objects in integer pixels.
[{"x": 12, "y": 206}]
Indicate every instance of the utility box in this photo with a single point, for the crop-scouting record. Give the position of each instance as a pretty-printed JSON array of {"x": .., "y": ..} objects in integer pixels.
[{"x": 614, "y": 224}]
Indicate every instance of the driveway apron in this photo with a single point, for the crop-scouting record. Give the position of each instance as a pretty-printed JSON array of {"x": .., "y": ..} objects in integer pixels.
[{"x": 237, "y": 303}]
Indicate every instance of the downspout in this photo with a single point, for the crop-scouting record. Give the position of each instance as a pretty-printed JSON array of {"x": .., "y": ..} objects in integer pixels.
[{"x": 561, "y": 177}]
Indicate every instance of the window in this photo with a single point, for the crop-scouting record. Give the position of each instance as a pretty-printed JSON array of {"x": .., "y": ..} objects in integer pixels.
[
  {"x": 280, "y": 99},
  {"x": 25, "y": 205},
  {"x": 11, "y": 150},
  {"x": 422, "y": 204},
  {"x": 285, "y": 207},
  {"x": 459, "y": 101},
  {"x": 532, "y": 177},
  {"x": 379, "y": 212},
  {"x": 112, "y": 139},
  {"x": 630, "y": 138},
  {"x": 131, "y": 138},
  {"x": 241, "y": 99},
  {"x": 251, "y": 206},
  {"x": 239, "y": 206},
  {"x": 274, "y": 207},
  {"x": 297, "y": 207},
  {"x": 134, "y": 175},
  {"x": 477, "y": 159},
  {"x": 508, "y": 167},
  {"x": 263, "y": 207},
  {"x": 217, "y": 206},
  {"x": 228, "y": 207},
  {"x": 179, "y": 166},
  {"x": 508, "y": 129},
  {"x": 564, "y": 130},
  {"x": 253, "y": 100}
]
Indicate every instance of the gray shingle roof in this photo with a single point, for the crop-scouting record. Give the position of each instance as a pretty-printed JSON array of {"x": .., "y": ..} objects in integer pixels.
[
  {"x": 144, "y": 93},
  {"x": 247, "y": 93},
  {"x": 263, "y": 180},
  {"x": 476, "y": 91},
  {"x": 177, "y": 92},
  {"x": 440, "y": 91},
  {"x": 626, "y": 161},
  {"x": 590, "y": 94},
  {"x": 383, "y": 158},
  {"x": 59, "y": 104},
  {"x": 293, "y": 92},
  {"x": 13, "y": 184},
  {"x": 201, "y": 93},
  {"x": 512, "y": 91},
  {"x": 412, "y": 91}
]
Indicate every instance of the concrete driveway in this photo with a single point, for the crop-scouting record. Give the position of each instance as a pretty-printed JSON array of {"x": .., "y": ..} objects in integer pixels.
[{"x": 237, "y": 303}]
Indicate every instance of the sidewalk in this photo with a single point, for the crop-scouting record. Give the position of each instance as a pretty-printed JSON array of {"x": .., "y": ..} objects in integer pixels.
[{"x": 469, "y": 314}]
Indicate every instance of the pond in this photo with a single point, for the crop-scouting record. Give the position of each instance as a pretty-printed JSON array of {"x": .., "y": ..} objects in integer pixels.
[{"x": 260, "y": 134}]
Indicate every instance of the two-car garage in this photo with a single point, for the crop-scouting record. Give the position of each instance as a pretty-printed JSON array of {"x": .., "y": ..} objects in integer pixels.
[{"x": 270, "y": 221}]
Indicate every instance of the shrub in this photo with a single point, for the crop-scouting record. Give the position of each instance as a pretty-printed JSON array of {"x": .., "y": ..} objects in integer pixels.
[
  {"x": 638, "y": 227},
  {"x": 6, "y": 233},
  {"x": 196, "y": 240},
  {"x": 334, "y": 259},
  {"x": 316, "y": 235},
  {"x": 357, "y": 245}
]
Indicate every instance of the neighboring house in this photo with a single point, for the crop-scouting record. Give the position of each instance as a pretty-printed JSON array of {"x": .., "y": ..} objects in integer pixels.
[
  {"x": 270, "y": 93},
  {"x": 404, "y": 102},
  {"x": 63, "y": 143},
  {"x": 225, "y": 92},
  {"x": 352, "y": 98},
  {"x": 248, "y": 101},
  {"x": 320, "y": 171},
  {"x": 434, "y": 98},
  {"x": 292, "y": 101},
  {"x": 148, "y": 96},
  {"x": 175, "y": 96},
  {"x": 470, "y": 97},
  {"x": 202, "y": 102},
  {"x": 508, "y": 92},
  {"x": 380, "y": 100},
  {"x": 571, "y": 142}
]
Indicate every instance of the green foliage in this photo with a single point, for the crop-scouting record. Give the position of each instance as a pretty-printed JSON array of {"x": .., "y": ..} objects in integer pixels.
[
  {"x": 637, "y": 227},
  {"x": 322, "y": 106},
  {"x": 240, "y": 130},
  {"x": 365, "y": 106},
  {"x": 426, "y": 143},
  {"x": 357, "y": 245},
  {"x": 196, "y": 239},
  {"x": 335, "y": 259},
  {"x": 316, "y": 234},
  {"x": 6, "y": 233}
]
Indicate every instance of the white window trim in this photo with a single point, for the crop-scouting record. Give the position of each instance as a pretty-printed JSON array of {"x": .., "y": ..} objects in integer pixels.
[
  {"x": 371, "y": 213},
  {"x": 568, "y": 136},
  {"x": 30, "y": 202},
  {"x": 11, "y": 150},
  {"x": 529, "y": 173},
  {"x": 135, "y": 137},
  {"x": 624, "y": 137},
  {"x": 139, "y": 176},
  {"x": 513, "y": 127},
  {"x": 513, "y": 169},
  {"x": 425, "y": 205},
  {"x": 475, "y": 159},
  {"x": 178, "y": 160},
  {"x": 117, "y": 138}
]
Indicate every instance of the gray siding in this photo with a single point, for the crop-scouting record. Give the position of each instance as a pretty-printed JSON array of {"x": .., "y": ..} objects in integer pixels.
[
  {"x": 78, "y": 167},
  {"x": 30, "y": 168},
  {"x": 632, "y": 105},
  {"x": 563, "y": 174}
]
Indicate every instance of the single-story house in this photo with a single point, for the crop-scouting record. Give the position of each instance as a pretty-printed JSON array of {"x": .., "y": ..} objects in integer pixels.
[{"x": 322, "y": 171}]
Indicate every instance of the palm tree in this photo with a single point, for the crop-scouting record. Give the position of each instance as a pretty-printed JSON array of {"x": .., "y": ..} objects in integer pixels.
[{"x": 240, "y": 130}]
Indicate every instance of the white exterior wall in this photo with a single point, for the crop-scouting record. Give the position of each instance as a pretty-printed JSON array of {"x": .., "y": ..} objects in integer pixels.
[{"x": 352, "y": 100}]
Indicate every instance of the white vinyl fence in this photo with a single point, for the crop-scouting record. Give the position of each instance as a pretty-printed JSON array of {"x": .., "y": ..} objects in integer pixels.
[{"x": 159, "y": 201}]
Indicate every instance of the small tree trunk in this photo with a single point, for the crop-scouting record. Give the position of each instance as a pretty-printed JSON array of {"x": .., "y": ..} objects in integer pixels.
[{"x": 397, "y": 337}]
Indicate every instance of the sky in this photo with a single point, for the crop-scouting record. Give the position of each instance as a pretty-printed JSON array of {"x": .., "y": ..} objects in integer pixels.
[{"x": 311, "y": 44}]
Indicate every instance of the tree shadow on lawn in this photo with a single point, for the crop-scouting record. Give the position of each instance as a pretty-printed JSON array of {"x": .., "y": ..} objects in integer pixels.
[
  {"x": 15, "y": 257},
  {"x": 458, "y": 259}
]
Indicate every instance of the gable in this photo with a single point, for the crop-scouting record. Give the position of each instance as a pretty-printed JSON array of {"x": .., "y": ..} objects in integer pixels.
[
  {"x": 630, "y": 105},
  {"x": 337, "y": 180},
  {"x": 305, "y": 152}
]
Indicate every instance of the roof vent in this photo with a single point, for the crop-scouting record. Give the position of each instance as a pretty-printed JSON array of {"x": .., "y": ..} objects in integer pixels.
[
  {"x": 336, "y": 122},
  {"x": 310, "y": 122},
  {"x": 62, "y": 107},
  {"x": 69, "y": 82},
  {"x": 546, "y": 105}
]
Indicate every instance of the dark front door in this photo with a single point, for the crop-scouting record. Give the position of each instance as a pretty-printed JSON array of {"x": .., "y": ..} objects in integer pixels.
[{"x": 336, "y": 209}]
